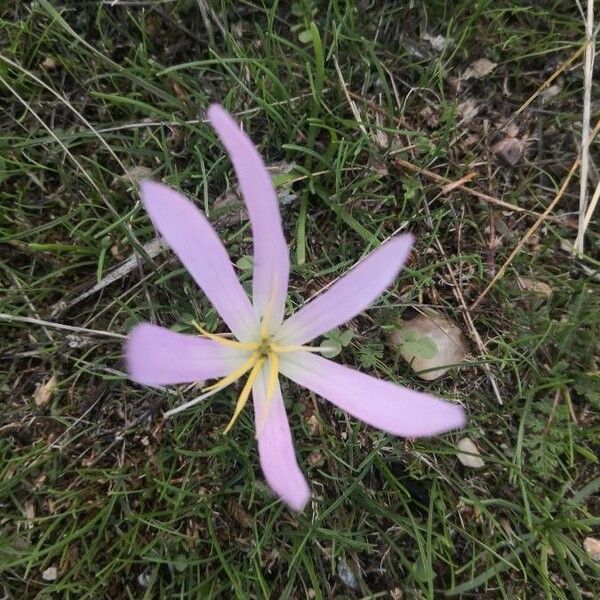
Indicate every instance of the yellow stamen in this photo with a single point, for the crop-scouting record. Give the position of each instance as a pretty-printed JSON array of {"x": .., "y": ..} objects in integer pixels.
[
  {"x": 268, "y": 312},
  {"x": 224, "y": 341},
  {"x": 265, "y": 322},
  {"x": 279, "y": 348},
  {"x": 273, "y": 373},
  {"x": 243, "y": 399},
  {"x": 271, "y": 385},
  {"x": 229, "y": 379}
]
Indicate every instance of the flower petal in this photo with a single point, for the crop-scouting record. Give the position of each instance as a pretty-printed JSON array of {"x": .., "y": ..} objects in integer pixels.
[
  {"x": 199, "y": 248},
  {"x": 158, "y": 356},
  {"x": 379, "y": 403},
  {"x": 271, "y": 255},
  {"x": 276, "y": 448},
  {"x": 352, "y": 294}
]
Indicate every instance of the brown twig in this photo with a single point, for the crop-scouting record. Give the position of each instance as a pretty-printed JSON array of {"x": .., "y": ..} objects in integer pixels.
[{"x": 585, "y": 129}]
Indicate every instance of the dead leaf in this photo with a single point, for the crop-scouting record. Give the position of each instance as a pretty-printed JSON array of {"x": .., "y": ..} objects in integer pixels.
[
  {"x": 454, "y": 184},
  {"x": 439, "y": 42},
  {"x": 50, "y": 574},
  {"x": 592, "y": 547},
  {"x": 510, "y": 150},
  {"x": 551, "y": 92},
  {"x": 314, "y": 425},
  {"x": 469, "y": 454},
  {"x": 396, "y": 594},
  {"x": 430, "y": 343},
  {"x": 134, "y": 175},
  {"x": 478, "y": 68},
  {"x": 512, "y": 130},
  {"x": 315, "y": 459},
  {"x": 431, "y": 117},
  {"x": 30, "y": 510},
  {"x": 468, "y": 110},
  {"x": 567, "y": 246},
  {"x": 379, "y": 136},
  {"x": 179, "y": 91},
  {"x": 43, "y": 392},
  {"x": 238, "y": 512},
  {"x": 535, "y": 286}
]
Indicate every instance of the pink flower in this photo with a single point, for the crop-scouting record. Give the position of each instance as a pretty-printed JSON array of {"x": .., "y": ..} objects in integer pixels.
[{"x": 265, "y": 344}]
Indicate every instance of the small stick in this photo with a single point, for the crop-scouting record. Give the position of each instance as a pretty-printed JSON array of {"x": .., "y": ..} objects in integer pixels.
[
  {"x": 585, "y": 129},
  {"x": 591, "y": 207},
  {"x": 41, "y": 322},
  {"x": 351, "y": 102}
]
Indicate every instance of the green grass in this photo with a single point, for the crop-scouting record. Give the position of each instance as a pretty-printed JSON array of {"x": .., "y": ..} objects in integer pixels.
[{"x": 93, "y": 485}]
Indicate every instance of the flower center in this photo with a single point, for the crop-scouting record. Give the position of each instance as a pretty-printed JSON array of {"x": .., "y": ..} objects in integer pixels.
[
  {"x": 264, "y": 353},
  {"x": 265, "y": 347}
]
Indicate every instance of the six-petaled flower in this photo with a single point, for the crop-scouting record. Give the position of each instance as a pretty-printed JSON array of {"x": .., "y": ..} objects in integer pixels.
[{"x": 267, "y": 345}]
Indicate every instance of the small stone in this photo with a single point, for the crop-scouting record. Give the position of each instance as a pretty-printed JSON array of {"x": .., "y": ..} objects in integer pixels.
[
  {"x": 469, "y": 454},
  {"x": 592, "y": 547},
  {"x": 430, "y": 343},
  {"x": 144, "y": 578},
  {"x": 50, "y": 574},
  {"x": 347, "y": 576},
  {"x": 509, "y": 149}
]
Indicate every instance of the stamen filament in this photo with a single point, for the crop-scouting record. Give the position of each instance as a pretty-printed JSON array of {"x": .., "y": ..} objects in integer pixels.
[
  {"x": 273, "y": 373},
  {"x": 290, "y": 348},
  {"x": 224, "y": 341},
  {"x": 266, "y": 319},
  {"x": 245, "y": 394},
  {"x": 234, "y": 376},
  {"x": 271, "y": 384}
]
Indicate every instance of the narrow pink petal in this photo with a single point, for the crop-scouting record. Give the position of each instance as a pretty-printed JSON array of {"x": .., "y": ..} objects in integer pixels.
[
  {"x": 379, "y": 403},
  {"x": 271, "y": 256},
  {"x": 198, "y": 247},
  {"x": 158, "y": 356},
  {"x": 276, "y": 448},
  {"x": 349, "y": 296}
]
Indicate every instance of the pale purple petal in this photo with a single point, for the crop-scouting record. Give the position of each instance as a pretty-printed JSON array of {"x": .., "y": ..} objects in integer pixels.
[
  {"x": 271, "y": 255},
  {"x": 379, "y": 403},
  {"x": 276, "y": 447},
  {"x": 198, "y": 247},
  {"x": 349, "y": 296},
  {"x": 157, "y": 356}
]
